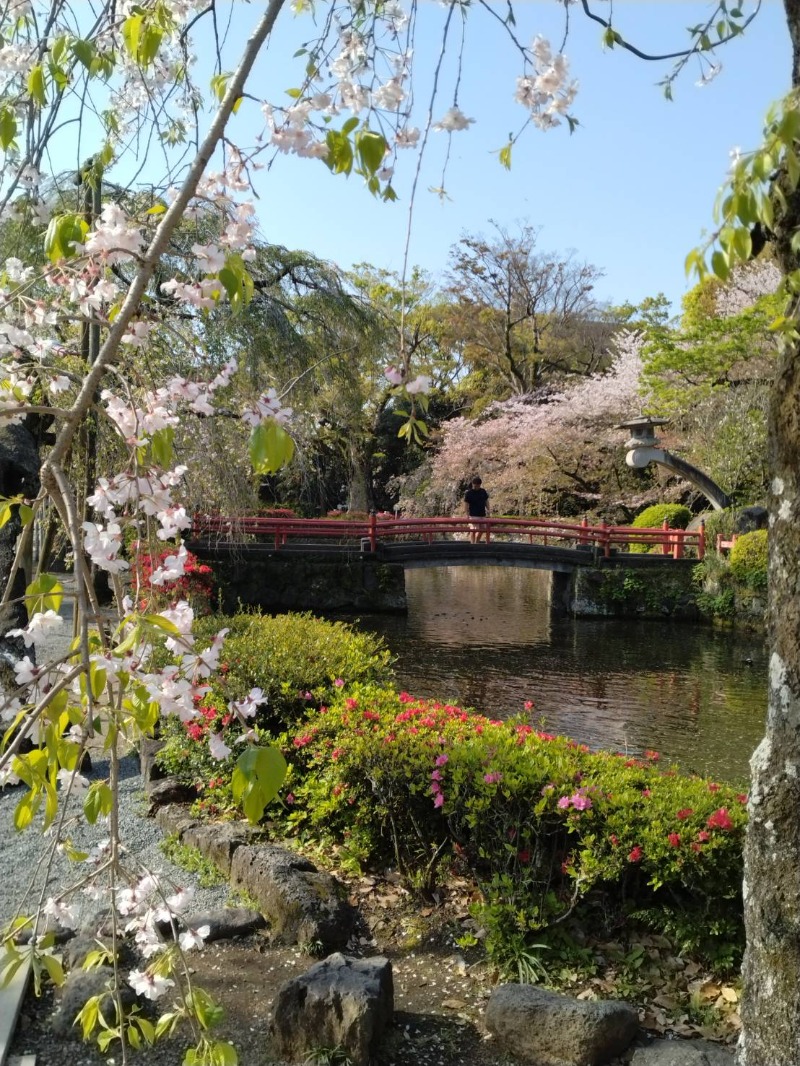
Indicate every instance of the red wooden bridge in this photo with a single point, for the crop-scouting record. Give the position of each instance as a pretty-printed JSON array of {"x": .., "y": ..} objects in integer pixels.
[{"x": 376, "y": 531}]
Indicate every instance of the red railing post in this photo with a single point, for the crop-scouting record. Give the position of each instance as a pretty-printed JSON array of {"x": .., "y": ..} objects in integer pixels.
[
  {"x": 488, "y": 529},
  {"x": 678, "y": 538},
  {"x": 665, "y": 539},
  {"x": 583, "y": 537},
  {"x": 605, "y": 538},
  {"x": 701, "y": 543},
  {"x": 373, "y": 531}
]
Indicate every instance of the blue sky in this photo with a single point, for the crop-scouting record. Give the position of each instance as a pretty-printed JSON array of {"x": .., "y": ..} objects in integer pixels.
[{"x": 631, "y": 191}]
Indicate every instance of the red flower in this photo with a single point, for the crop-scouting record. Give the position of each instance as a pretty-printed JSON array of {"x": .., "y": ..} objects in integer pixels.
[
  {"x": 524, "y": 856},
  {"x": 635, "y": 854},
  {"x": 713, "y": 787},
  {"x": 674, "y": 839},
  {"x": 703, "y": 836},
  {"x": 614, "y": 840},
  {"x": 653, "y": 756},
  {"x": 742, "y": 797},
  {"x": 646, "y": 793},
  {"x": 684, "y": 813},
  {"x": 720, "y": 820}
]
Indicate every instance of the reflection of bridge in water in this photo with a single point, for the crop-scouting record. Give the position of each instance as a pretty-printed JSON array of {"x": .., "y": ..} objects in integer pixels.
[{"x": 420, "y": 542}]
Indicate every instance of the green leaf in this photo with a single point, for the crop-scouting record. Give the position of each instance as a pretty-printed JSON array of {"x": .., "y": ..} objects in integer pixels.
[
  {"x": 8, "y": 128},
  {"x": 84, "y": 52},
  {"x": 25, "y": 513},
  {"x": 99, "y": 801},
  {"x": 219, "y": 85},
  {"x": 45, "y": 593},
  {"x": 271, "y": 447},
  {"x": 340, "y": 152},
  {"x": 5, "y": 513},
  {"x": 720, "y": 265},
  {"x": 131, "y": 32},
  {"x": 156, "y": 209},
  {"x": 63, "y": 232},
  {"x": 349, "y": 126},
  {"x": 294, "y": 93},
  {"x": 257, "y": 779},
  {"x": 36, "y": 85},
  {"x": 743, "y": 244},
  {"x": 24, "y": 812},
  {"x": 505, "y": 156},
  {"x": 55, "y": 971},
  {"x": 371, "y": 148},
  {"x": 161, "y": 447}
]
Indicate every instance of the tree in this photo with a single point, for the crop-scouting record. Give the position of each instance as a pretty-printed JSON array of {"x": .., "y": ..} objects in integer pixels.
[{"x": 523, "y": 314}]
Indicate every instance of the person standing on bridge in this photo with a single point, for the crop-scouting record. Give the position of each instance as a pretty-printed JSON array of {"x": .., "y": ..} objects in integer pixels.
[{"x": 476, "y": 505}]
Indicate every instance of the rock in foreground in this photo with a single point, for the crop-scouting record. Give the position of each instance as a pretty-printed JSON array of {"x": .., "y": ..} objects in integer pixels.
[
  {"x": 548, "y": 1029},
  {"x": 341, "y": 1002}
]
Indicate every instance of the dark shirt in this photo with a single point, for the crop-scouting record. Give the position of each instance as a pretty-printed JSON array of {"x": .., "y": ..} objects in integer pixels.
[{"x": 476, "y": 500}]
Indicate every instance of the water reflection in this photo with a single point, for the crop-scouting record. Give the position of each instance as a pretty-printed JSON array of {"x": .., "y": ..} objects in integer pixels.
[{"x": 484, "y": 638}]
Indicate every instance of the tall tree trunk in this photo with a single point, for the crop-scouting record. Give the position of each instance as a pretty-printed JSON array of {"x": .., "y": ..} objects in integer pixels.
[
  {"x": 771, "y": 1002},
  {"x": 360, "y": 481}
]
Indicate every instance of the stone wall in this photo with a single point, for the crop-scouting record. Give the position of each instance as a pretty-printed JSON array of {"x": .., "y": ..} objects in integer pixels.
[
  {"x": 668, "y": 591},
  {"x": 283, "y": 581}
]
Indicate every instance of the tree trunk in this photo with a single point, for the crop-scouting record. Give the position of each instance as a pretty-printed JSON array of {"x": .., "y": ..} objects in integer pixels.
[
  {"x": 360, "y": 481},
  {"x": 771, "y": 972}
]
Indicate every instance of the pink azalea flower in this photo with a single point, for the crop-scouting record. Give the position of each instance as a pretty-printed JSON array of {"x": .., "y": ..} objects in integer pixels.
[
  {"x": 339, "y": 682},
  {"x": 439, "y": 800},
  {"x": 580, "y": 802},
  {"x": 564, "y": 802},
  {"x": 441, "y": 760}
]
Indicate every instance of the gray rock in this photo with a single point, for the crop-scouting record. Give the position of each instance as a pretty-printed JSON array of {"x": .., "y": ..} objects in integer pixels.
[
  {"x": 168, "y": 790},
  {"x": 341, "y": 1002},
  {"x": 554, "y": 1030},
  {"x": 79, "y": 949},
  {"x": 302, "y": 904},
  {"x": 79, "y": 987},
  {"x": 226, "y": 923},
  {"x": 148, "y": 750},
  {"x": 60, "y": 933},
  {"x": 751, "y": 518},
  {"x": 218, "y": 842},
  {"x": 175, "y": 818},
  {"x": 682, "y": 1053}
]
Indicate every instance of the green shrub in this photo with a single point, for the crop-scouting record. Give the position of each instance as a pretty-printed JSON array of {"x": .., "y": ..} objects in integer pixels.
[
  {"x": 297, "y": 661},
  {"x": 748, "y": 559},
  {"x": 538, "y": 821},
  {"x": 674, "y": 514},
  {"x": 717, "y": 522}
]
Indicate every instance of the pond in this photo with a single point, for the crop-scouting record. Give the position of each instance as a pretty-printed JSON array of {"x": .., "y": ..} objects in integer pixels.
[{"x": 484, "y": 638}]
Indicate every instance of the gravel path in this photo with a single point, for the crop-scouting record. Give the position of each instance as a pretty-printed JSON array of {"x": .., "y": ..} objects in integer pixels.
[{"x": 24, "y": 856}]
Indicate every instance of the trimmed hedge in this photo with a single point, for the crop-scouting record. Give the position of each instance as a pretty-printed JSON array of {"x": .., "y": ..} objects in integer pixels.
[
  {"x": 674, "y": 514},
  {"x": 749, "y": 559}
]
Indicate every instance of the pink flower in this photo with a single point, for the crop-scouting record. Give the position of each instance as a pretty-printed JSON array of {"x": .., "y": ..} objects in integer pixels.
[
  {"x": 442, "y": 760},
  {"x": 684, "y": 813},
  {"x": 646, "y": 793},
  {"x": 564, "y": 802},
  {"x": 439, "y": 800},
  {"x": 436, "y": 775},
  {"x": 635, "y": 854},
  {"x": 713, "y": 787},
  {"x": 580, "y": 802},
  {"x": 703, "y": 836},
  {"x": 290, "y": 798},
  {"x": 720, "y": 820},
  {"x": 493, "y": 778},
  {"x": 674, "y": 839},
  {"x": 339, "y": 683},
  {"x": 528, "y": 705}
]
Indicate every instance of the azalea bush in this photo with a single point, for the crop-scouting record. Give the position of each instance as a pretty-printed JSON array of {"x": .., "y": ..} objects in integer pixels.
[{"x": 541, "y": 823}]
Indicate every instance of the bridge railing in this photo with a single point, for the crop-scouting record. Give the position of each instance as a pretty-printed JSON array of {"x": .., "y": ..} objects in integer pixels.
[{"x": 677, "y": 543}]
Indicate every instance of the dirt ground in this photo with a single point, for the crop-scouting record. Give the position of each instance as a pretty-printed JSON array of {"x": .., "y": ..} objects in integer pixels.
[{"x": 440, "y": 991}]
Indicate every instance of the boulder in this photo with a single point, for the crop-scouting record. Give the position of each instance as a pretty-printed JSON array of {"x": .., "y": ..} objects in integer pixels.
[
  {"x": 751, "y": 518},
  {"x": 79, "y": 987},
  {"x": 303, "y": 905},
  {"x": 682, "y": 1053},
  {"x": 174, "y": 818},
  {"x": 225, "y": 923},
  {"x": 148, "y": 751},
  {"x": 339, "y": 1003},
  {"x": 549, "y": 1029},
  {"x": 168, "y": 790},
  {"x": 218, "y": 842}
]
